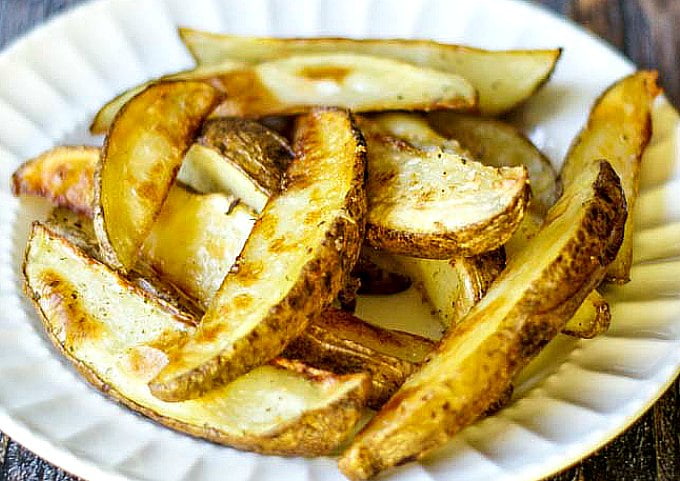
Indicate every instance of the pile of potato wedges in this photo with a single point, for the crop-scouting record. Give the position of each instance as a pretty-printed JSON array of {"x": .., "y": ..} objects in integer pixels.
[{"x": 202, "y": 266}]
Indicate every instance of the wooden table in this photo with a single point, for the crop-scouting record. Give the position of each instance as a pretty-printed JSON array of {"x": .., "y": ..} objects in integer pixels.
[{"x": 648, "y": 32}]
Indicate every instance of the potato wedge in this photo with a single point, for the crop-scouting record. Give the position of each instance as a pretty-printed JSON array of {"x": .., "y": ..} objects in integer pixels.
[
  {"x": 338, "y": 342},
  {"x": 209, "y": 73},
  {"x": 64, "y": 175},
  {"x": 435, "y": 203},
  {"x": 504, "y": 79},
  {"x": 195, "y": 241},
  {"x": 374, "y": 280},
  {"x": 529, "y": 303},
  {"x": 500, "y": 145},
  {"x": 362, "y": 83},
  {"x": 140, "y": 160},
  {"x": 591, "y": 319},
  {"x": 315, "y": 227},
  {"x": 114, "y": 334},
  {"x": 237, "y": 156},
  {"x": 618, "y": 129}
]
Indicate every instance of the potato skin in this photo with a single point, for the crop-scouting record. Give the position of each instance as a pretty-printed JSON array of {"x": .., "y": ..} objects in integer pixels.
[
  {"x": 464, "y": 376},
  {"x": 338, "y": 342},
  {"x": 319, "y": 282}
]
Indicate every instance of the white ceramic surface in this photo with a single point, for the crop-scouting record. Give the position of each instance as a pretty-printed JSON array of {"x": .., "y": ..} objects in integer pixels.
[{"x": 576, "y": 396}]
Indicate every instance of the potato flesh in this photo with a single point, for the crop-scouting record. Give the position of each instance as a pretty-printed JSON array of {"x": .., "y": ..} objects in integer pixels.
[
  {"x": 116, "y": 336},
  {"x": 618, "y": 129},
  {"x": 436, "y": 193},
  {"x": 195, "y": 241},
  {"x": 475, "y": 362},
  {"x": 503, "y": 78},
  {"x": 140, "y": 160},
  {"x": 357, "y": 82},
  {"x": 591, "y": 319},
  {"x": 316, "y": 219}
]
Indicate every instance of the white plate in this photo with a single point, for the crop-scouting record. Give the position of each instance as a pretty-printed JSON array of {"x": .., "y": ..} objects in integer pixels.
[{"x": 574, "y": 398}]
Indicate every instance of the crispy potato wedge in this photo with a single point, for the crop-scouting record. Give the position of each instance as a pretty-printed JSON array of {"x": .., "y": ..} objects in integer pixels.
[
  {"x": 338, "y": 342},
  {"x": 435, "y": 203},
  {"x": 141, "y": 156},
  {"x": 618, "y": 129},
  {"x": 193, "y": 242},
  {"x": 362, "y": 83},
  {"x": 237, "y": 156},
  {"x": 504, "y": 79},
  {"x": 115, "y": 334},
  {"x": 529, "y": 303},
  {"x": 500, "y": 145},
  {"x": 64, "y": 175},
  {"x": 314, "y": 228},
  {"x": 209, "y": 73}
]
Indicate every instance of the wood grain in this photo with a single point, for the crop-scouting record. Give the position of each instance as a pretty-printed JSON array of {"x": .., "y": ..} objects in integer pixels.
[{"x": 648, "y": 32}]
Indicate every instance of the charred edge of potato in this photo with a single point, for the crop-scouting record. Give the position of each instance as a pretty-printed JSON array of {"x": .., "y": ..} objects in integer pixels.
[
  {"x": 474, "y": 239},
  {"x": 591, "y": 319},
  {"x": 122, "y": 257},
  {"x": 316, "y": 432},
  {"x": 374, "y": 280},
  {"x": 432, "y": 406},
  {"x": 339, "y": 342},
  {"x": 63, "y": 175},
  {"x": 319, "y": 282},
  {"x": 259, "y": 152}
]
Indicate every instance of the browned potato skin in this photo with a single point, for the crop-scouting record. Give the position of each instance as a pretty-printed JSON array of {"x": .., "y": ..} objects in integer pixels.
[
  {"x": 259, "y": 152},
  {"x": 126, "y": 203},
  {"x": 476, "y": 275},
  {"x": 339, "y": 342},
  {"x": 619, "y": 128},
  {"x": 431, "y": 407},
  {"x": 375, "y": 280},
  {"x": 320, "y": 279},
  {"x": 64, "y": 175}
]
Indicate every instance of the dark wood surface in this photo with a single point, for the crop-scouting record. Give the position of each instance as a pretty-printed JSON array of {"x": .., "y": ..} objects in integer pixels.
[{"x": 648, "y": 32}]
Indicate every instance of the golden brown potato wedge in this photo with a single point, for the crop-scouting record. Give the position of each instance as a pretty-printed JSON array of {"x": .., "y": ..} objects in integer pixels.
[
  {"x": 209, "y": 73},
  {"x": 237, "y": 156},
  {"x": 503, "y": 79},
  {"x": 115, "y": 335},
  {"x": 436, "y": 203},
  {"x": 338, "y": 342},
  {"x": 295, "y": 261},
  {"x": 529, "y": 303},
  {"x": 141, "y": 156},
  {"x": 618, "y": 129},
  {"x": 64, "y": 175},
  {"x": 294, "y": 85},
  {"x": 374, "y": 280},
  {"x": 500, "y": 145}
]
